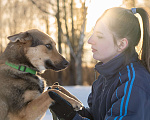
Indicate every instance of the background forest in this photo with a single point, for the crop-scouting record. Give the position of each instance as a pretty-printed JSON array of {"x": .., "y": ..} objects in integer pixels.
[{"x": 66, "y": 21}]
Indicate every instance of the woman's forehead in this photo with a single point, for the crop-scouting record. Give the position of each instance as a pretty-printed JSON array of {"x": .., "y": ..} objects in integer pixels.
[{"x": 101, "y": 25}]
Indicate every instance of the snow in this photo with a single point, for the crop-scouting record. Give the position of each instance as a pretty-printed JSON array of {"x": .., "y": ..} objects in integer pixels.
[{"x": 81, "y": 92}]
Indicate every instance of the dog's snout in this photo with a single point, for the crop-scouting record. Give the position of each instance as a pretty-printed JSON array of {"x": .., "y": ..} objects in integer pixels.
[
  {"x": 56, "y": 65},
  {"x": 65, "y": 63}
]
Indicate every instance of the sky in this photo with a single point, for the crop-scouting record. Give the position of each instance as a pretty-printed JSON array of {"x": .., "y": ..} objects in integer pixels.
[{"x": 96, "y": 8}]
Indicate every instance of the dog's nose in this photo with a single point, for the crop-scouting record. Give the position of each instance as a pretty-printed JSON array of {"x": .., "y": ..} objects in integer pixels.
[{"x": 65, "y": 63}]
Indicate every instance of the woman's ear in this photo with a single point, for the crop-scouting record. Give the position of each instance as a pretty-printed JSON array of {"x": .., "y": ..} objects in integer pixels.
[{"x": 122, "y": 44}]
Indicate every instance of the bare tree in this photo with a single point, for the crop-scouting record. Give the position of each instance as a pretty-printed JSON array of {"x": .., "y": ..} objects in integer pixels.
[
  {"x": 135, "y": 3},
  {"x": 129, "y": 3},
  {"x": 75, "y": 39},
  {"x": 17, "y": 16},
  {"x": 59, "y": 36},
  {"x": 74, "y": 36}
]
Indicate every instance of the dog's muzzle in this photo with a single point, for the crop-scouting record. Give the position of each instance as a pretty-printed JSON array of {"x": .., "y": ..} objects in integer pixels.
[{"x": 58, "y": 66}]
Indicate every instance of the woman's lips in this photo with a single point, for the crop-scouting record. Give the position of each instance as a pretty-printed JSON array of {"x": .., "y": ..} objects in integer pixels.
[{"x": 94, "y": 50}]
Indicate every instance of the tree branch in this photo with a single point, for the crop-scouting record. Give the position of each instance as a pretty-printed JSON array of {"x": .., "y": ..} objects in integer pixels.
[
  {"x": 82, "y": 30},
  {"x": 67, "y": 34},
  {"x": 41, "y": 8}
]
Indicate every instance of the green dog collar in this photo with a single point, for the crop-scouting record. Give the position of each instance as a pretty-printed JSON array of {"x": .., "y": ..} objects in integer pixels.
[{"x": 21, "y": 68}]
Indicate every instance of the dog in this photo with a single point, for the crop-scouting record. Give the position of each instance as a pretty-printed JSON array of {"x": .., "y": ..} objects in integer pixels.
[{"x": 22, "y": 95}]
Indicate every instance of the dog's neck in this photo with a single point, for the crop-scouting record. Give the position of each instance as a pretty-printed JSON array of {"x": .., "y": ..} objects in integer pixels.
[
  {"x": 15, "y": 55},
  {"x": 21, "y": 68}
]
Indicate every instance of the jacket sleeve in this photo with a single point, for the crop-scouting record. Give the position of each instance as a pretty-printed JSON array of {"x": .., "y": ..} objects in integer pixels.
[
  {"x": 85, "y": 113},
  {"x": 78, "y": 117},
  {"x": 129, "y": 103}
]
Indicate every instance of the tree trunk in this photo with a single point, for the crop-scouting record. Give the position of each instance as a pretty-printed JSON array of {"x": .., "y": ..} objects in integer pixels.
[
  {"x": 59, "y": 39},
  {"x": 79, "y": 70},
  {"x": 72, "y": 71},
  {"x": 1, "y": 28},
  {"x": 73, "y": 31},
  {"x": 79, "y": 80},
  {"x": 47, "y": 24}
]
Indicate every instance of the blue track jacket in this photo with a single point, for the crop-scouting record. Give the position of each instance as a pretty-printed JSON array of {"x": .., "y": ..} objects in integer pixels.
[{"x": 121, "y": 92}]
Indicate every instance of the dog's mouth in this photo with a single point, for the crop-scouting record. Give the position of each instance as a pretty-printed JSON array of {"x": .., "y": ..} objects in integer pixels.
[{"x": 59, "y": 66}]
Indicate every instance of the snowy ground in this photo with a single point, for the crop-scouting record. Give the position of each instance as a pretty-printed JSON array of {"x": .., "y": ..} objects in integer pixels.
[{"x": 81, "y": 92}]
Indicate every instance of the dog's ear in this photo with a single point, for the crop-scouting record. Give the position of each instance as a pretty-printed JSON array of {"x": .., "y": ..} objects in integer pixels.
[{"x": 22, "y": 37}]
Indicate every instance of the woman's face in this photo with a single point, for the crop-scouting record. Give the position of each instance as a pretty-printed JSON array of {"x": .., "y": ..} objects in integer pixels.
[{"x": 102, "y": 42}]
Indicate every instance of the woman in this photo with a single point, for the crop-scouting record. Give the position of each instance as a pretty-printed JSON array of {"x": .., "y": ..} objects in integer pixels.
[{"x": 122, "y": 90}]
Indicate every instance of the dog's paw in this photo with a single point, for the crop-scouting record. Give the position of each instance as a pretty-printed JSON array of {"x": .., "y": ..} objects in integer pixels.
[
  {"x": 56, "y": 83},
  {"x": 77, "y": 106}
]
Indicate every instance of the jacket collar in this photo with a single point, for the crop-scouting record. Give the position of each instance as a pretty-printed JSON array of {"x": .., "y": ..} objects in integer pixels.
[{"x": 114, "y": 65}]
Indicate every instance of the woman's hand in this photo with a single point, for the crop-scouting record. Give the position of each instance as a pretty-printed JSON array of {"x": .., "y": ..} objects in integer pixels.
[
  {"x": 61, "y": 107},
  {"x": 63, "y": 90}
]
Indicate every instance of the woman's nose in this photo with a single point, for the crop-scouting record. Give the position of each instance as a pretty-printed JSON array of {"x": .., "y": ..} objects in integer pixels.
[{"x": 90, "y": 40}]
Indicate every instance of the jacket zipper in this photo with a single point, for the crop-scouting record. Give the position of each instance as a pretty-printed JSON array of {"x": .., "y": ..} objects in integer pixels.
[
  {"x": 103, "y": 90},
  {"x": 95, "y": 75},
  {"x": 104, "y": 84}
]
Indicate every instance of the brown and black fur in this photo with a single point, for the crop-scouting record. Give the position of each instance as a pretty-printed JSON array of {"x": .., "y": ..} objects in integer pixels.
[{"x": 22, "y": 95}]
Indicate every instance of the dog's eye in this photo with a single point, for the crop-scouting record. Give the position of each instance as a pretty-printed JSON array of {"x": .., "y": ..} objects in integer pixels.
[{"x": 49, "y": 46}]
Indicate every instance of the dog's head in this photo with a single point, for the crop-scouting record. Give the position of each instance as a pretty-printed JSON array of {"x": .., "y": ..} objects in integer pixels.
[{"x": 37, "y": 49}]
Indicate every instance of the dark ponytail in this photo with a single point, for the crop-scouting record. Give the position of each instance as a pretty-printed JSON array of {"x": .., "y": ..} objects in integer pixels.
[{"x": 145, "y": 55}]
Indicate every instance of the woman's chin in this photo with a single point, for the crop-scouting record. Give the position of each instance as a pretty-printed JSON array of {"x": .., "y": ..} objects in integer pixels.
[{"x": 96, "y": 57}]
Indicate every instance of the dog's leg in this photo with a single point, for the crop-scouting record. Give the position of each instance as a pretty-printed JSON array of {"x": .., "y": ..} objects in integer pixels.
[
  {"x": 3, "y": 110},
  {"x": 38, "y": 106}
]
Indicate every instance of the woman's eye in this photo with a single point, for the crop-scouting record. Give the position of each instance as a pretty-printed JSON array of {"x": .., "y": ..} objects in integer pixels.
[
  {"x": 49, "y": 46},
  {"x": 100, "y": 37}
]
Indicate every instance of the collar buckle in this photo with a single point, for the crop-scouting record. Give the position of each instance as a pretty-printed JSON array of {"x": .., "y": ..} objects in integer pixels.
[{"x": 22, "y": 68}]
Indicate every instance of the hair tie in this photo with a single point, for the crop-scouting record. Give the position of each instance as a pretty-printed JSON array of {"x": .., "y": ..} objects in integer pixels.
[{"x": 133, "y": 10}]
